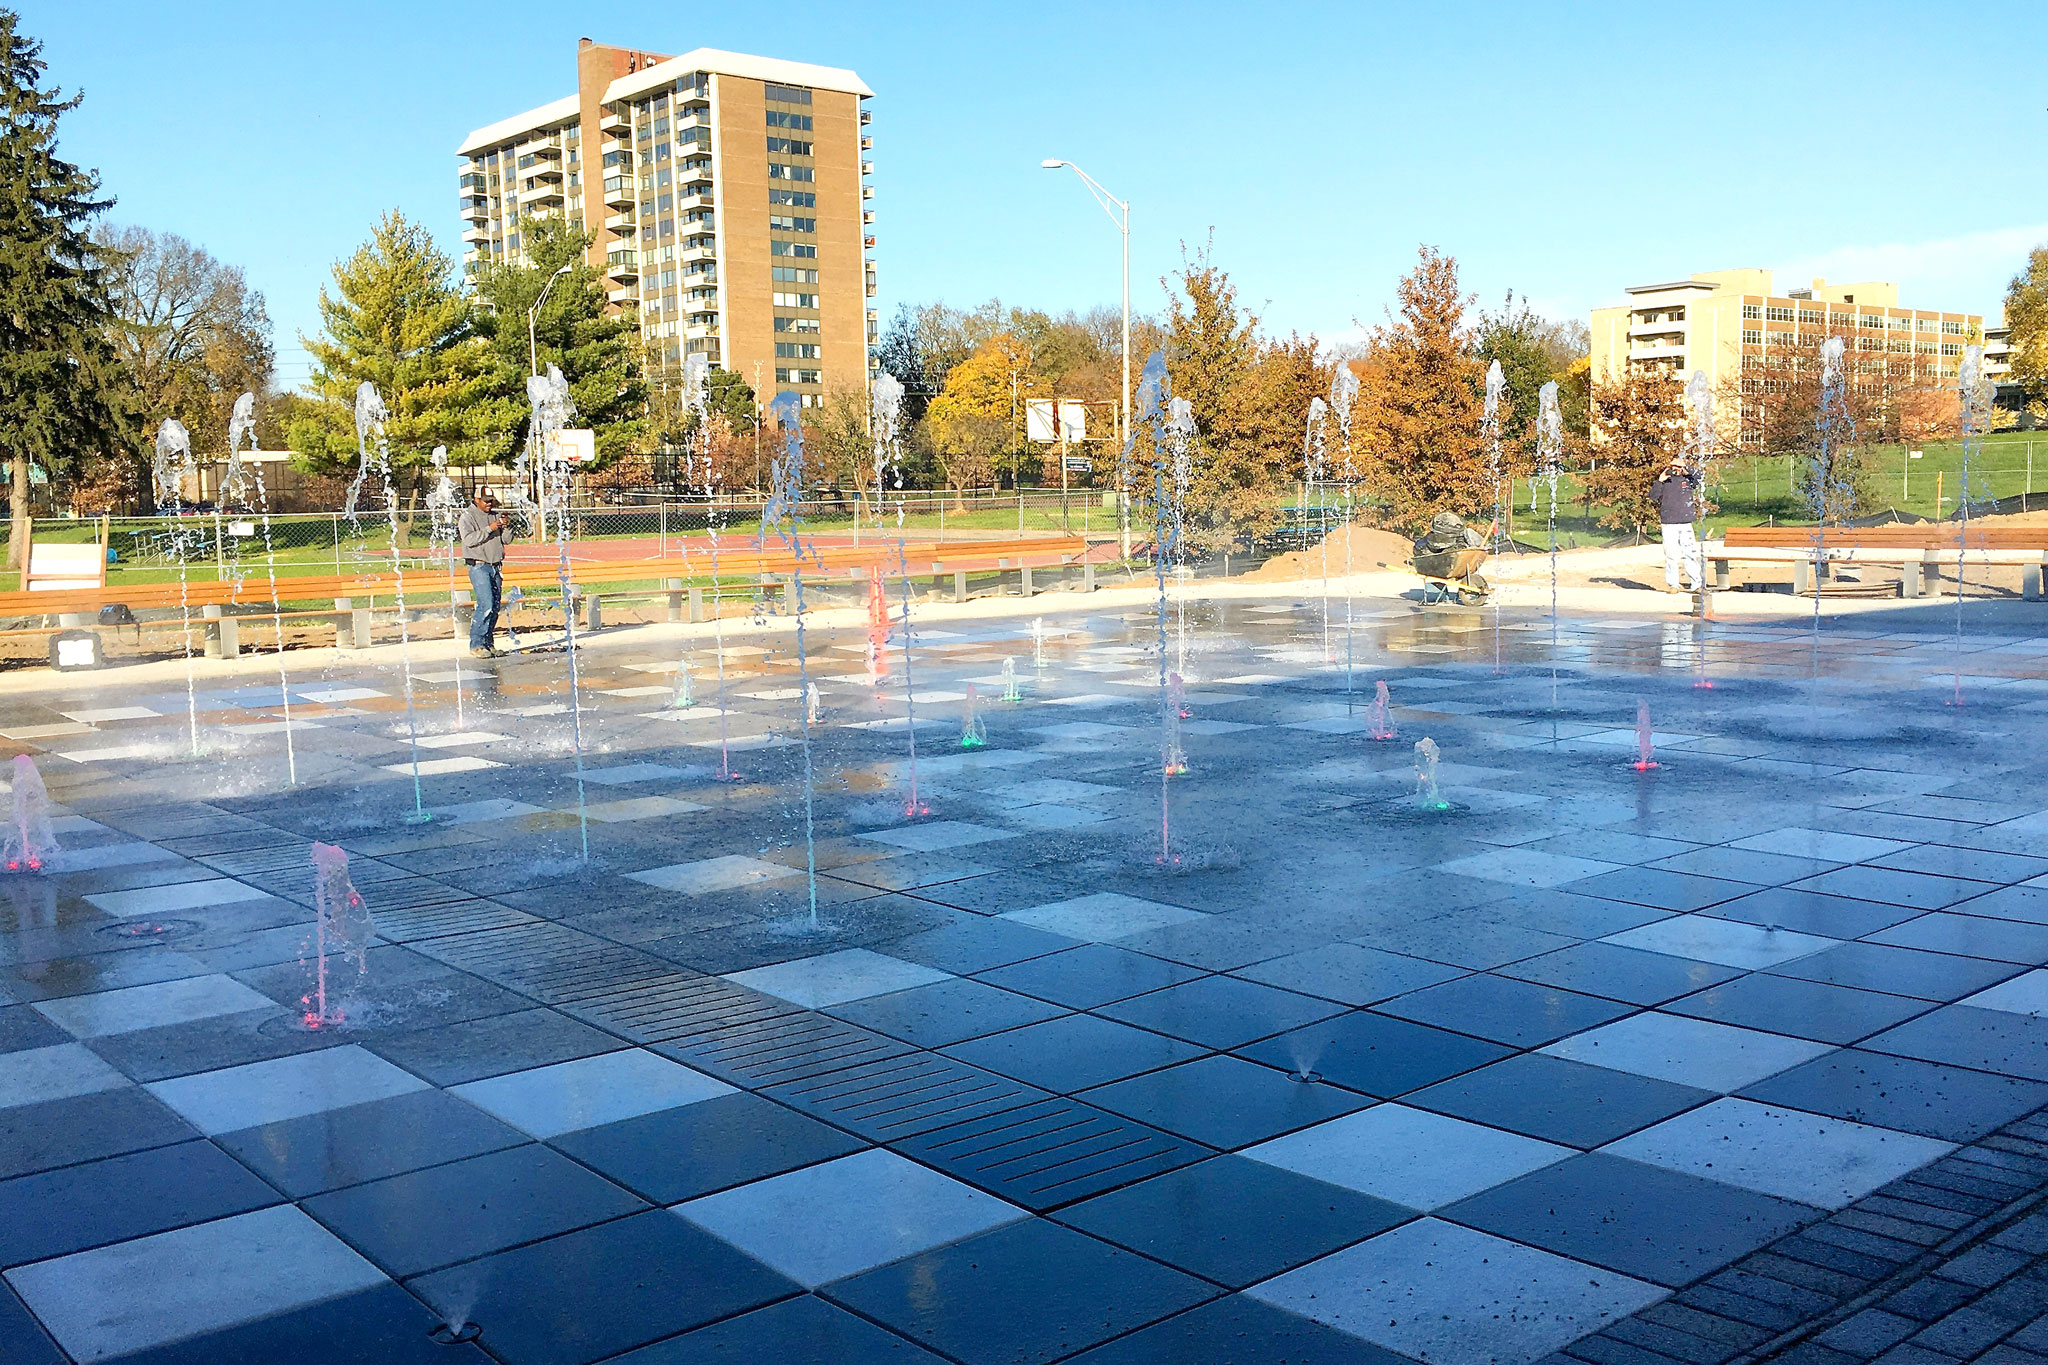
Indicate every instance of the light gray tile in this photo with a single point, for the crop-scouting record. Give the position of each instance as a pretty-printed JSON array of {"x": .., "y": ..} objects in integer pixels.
[
  {"x": 1526, "y": 867},
  {"x": 836, "y": 978},
  {"x": 283, "y": 1088},
  {"x": 1827, "y": 1162},
  {"x": 2025, "y": 994},
  {"x": 176, "y": 1285},
  {"x": 548, "y": 1101},
  {"x": 938, "y": 835},
  {"x": 1103, "y": 916},
  {"x": 1695, "y": 1052},
  {"x": 53, "y": 1073},
  {"x": 837, "y": 1219},
  {"x": 1729, "y": 943},
  {"x": 1440, "y": 1293},
  {"x": 151, "y": 1006},
  {"x": 714, "y": 874},
  {"x": 169, "y": 900},
  {"x": 1821, "y": 844},
  {"x": 1408, "y": 1156}
]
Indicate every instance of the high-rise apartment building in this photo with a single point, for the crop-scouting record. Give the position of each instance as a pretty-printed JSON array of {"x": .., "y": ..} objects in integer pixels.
[
  {"x": 1730, "y": 322},
  {"x": 728, "y": 198}
]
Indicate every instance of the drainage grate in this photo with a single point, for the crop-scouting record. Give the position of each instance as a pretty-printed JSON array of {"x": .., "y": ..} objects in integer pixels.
[
  {"x": 898, "y": 1097},
  {"x": 547, "y": 961},
  {"x": 1051, "y": 1153},
  {"x": 440, "y": 921}
]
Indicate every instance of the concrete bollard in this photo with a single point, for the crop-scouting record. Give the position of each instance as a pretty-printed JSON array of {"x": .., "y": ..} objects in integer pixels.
[
  {"x": 229, "y": 631},
  {"x": 595, "y": 620},
  {"x": 1088, "y": 576},
  {"x": 1802, "y": 576},
  {"x": 1720, "y": 575},
  {"x": 359, "y": 627},
  {"x": 674, "y": 588},
  {"x": 2030, "y": 582},
  {"x": 211, "y": 631},
  {"x": 696, "y": 604},
  {"x": 959, "y": 585},
  {"x": 1912, "y": 581},
  {"x": 1024, "y": 588}
]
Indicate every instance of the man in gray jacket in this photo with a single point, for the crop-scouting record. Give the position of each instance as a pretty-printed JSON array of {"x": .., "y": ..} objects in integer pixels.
[
  {"x": 483, "y": 532},
  {"x": 1673, "y": 492}
]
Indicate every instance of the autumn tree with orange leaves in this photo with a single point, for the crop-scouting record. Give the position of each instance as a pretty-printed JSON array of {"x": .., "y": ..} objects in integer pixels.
[{"x": 1419, "y": 406}]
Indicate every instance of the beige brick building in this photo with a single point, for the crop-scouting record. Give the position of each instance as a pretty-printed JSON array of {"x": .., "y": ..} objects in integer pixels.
[
  {"x": 1735, "y": 322},
  {"x": 728, "y": 196}
]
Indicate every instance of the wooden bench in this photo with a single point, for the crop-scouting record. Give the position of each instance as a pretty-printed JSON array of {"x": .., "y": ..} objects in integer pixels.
[
  {"x": 1918, "y": 550},
  {"x": 353, "y": 596}
]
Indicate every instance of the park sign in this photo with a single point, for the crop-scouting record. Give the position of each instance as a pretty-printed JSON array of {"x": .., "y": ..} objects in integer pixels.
[{"x": 1062, "y": 420}]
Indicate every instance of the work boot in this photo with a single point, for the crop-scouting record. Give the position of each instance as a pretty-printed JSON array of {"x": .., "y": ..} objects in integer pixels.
[{"x": 483, "y": 652}]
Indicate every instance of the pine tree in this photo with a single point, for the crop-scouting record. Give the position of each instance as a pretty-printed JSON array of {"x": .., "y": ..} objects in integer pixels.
[
  {"x": 397, "y": 321},
  {"x": 57, "y": 369},
  {"x": 1420, "y": 405},
  {"x": 598, "y": 353}
]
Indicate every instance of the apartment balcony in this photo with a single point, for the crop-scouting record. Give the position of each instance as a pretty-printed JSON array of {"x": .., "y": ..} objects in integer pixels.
[
  {"x": 622, "y": 223},
  {"x": 1656, "y": 329},
  {"x": 619, "y": 192},
  {"x": 615, "y": 124},
  {"x": 694, "y": 94},
  {"x": 867, "y": 116},
  {"x": 868, "y": 243},
  {"x": 1672, "y": 352},
  {"x": 867, "y": 215},
  {"x": 695, "y": 173},
  {"x": 867, "y": 191},
  {"x": 472, "y": 182},
  {"x": 476, "y": 236},
  {"x": 694, "y": 199},
  {"x": 697, "y": 330},
  {"x": 867, "y": 168},
  {"x": 623, "y": 265},
  {"x": 867, "y": 144},
  {"x": 698, "y": 253},
  {"x": 623, "y": 294},
  {"x": 551, "y": 151},
  {"x": 543, "y": 196},
  {"x": 545, "y": 171}
]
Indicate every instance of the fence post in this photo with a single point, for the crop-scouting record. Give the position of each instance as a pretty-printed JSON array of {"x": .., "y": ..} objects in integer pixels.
[{"x": 334, "y": 526}]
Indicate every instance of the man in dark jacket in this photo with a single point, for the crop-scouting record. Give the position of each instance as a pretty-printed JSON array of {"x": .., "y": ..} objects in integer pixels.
[
  {"x": 1674, "y": 491},
  {"x": 483, "y": 532}
]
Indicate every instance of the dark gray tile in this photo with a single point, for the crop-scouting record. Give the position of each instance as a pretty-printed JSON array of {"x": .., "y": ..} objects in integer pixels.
[
  {"x": 1376, "y": 1054},
  {"x": 1238, "y": 1331},
  {"x": 946, "y": 1012},
  {"x": 415, "y": 1222},
  {"x": 1810, "y": 912},
  {"x": 1946, "y": 860},
  {"x": 1618, "y": 973},
  {"x": 1349, "y": 973},
  {"x": 1095, "y": 974},
  {"x": 1985, "y": 1040},
  {"x": 697, "y": 1149},
  {"x": 58, "y": 1212},
  {"x": 1558, "y": 1100},
  {"x": 1644, "y": 1221},
  {"x": 1893, "y": 887},
  {"x": 41, "y": 1137},
  {"x": 1900, "y": 1092},
  {"x": 1220, "y": 1011},
  {"x": 796, "y": 1330},
  {"x": 348, "y": 1146},
  {"x": 977, "y": 945},
  {"x": 1518, "y": 1013},
  {"x": 1661, "y": 890},
  {"x": 1073, "y": 1053},
  {"x": 22, "y": 1028},
  {"x": 655, "y": 1275},
  {"x": 495, "y": 1046},
  {"x": 22, "y": 1339},
  {"x": 1898, "y": 971},
  {"x": 1803, "y": 1009},
  {"x": 1021, "y": 1295},
  {"x": 1223, "y": 1101},
  {"x": 381, "y": 1326},
  {"x": 1970, "y": 936},
  {"x": 2026, "y": 903},
  {"x": 1234, "y": 1221}
]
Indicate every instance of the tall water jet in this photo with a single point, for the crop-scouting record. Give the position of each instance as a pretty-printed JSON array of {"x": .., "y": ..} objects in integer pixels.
[
  {"x": 1172, "y": 755},
  {"x": 814, "y": 705},
  {"x": 1974, "y": 396},
  {"x": 241, "y": 428},
  {"x": 1829, "y": 475},
  {"x": 885, "y": 406},
  {"x": 1549, "y": 453},
  {"x": 339, "y": 952},
  {"x": 913, "y": 807},
  {"x": 784, "y": 512},
  {"x": 685, "y": 696},
  {"x": 552, "y": 409},
  {"x": 174, "y": 461},
  {"x": 1314, "y": 448},
  {"x": 370, "y": 417},
  {"x": 1010, "y": 692},
  {"x": 1379, "y": 721},
  {"x": 1182, "y": 468},
  {"x": 444, "y": 514},
  {"x": 1038, "y": 644},
  {"x": 1172, "y": 421},
  {"x": 1427, "y": 795},
  {"x": 29, "y": 842},
  {"x": 1343, "y": 395},
  {"x": 973, "y": 733},
  {"x": 1699, "y": 454},
  {"x": 1496, "y": 383},
  {"x": 1646, "y": 749},
  {"x": 697, "y": 398}
]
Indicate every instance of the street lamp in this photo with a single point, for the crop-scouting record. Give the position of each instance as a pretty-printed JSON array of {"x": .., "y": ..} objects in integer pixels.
[
  {"x": 532, "y": 351},
  {"x": 1107, "y": 200}
]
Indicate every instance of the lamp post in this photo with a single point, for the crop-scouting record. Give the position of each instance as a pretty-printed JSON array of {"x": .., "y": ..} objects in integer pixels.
[
  {"x": 532, "y": 350},
  {"x": 1123, "y": 223}
]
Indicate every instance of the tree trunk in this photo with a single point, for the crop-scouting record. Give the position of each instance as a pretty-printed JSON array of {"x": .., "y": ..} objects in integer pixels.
[{"x": 17, "y": 531}]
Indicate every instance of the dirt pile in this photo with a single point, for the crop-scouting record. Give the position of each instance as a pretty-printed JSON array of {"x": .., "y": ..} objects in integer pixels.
[{"x": 1371, "y": 550}]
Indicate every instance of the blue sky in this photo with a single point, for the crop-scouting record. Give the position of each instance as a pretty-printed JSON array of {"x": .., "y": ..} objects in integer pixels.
[{"x": 1564, "y": 151}]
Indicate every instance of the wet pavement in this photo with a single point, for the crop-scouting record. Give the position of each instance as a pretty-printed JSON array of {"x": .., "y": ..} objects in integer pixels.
[{"x": 1267, "y": 1062}]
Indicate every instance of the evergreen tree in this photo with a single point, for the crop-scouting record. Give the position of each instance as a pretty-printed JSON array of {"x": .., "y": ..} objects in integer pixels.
[
  {"x": 599, "y": 354},
  {"x": 57, "y": 368},
  {"x": 398, "y": 321},
  {"x": 1419, "y": 404}
]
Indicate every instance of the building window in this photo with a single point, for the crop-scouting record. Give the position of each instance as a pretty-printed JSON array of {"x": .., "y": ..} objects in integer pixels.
[
  {"x": 786, "y": 274},
  {"x": 1752, "y": 338},
  {"x": 797, "y": 199},
  {"x": 783, "y": 376},
  {"x": 1812, "y": 315},
  {"x": 792, "y": 249},
  {"x": 1951, "y": 329},
  {"x": 1951, "y": 348},
  {"x": 795, "y": 350},
  {"x": 785, "y": 94},
  {"x": 780, "y": 223},
  {"x": 788, "y": 146},
  {"x": 1899, "y": 324},
  {"x": 796, "y": 300},
  {"x": 1752, "y": 312},
  {"x": 783, "y": 324},
  {"x": 778, "y": 171},
  {"x": 1778, "y": 314},
  {"x": 800, "y": 122},
  {"x": 1872, "y": 320}
]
